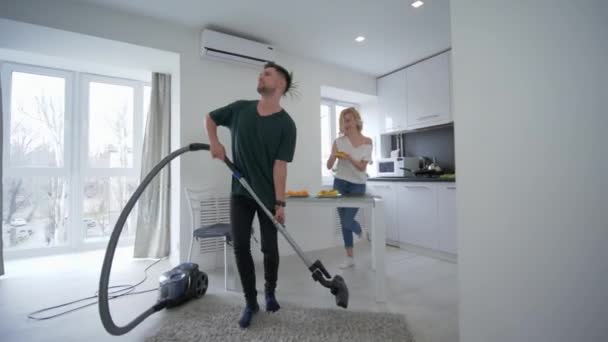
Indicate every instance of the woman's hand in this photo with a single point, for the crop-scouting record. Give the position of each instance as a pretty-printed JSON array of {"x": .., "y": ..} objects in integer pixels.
[
  {"x": 334, "y": 151},
  {"x": 332, "y": 157},
  {"x": 345, "y": 156},
  {"x": 360, "y": 165}
]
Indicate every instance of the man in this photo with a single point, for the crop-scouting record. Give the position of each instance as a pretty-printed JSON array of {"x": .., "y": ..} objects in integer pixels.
[{"x": 263, "y": 142}]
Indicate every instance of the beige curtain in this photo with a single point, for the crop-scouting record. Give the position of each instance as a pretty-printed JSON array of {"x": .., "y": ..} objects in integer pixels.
[{"x": 152, "y": 235}]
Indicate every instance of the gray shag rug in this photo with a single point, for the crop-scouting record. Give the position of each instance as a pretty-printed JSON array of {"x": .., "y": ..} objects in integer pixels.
[{"x": 213, "y": 318}]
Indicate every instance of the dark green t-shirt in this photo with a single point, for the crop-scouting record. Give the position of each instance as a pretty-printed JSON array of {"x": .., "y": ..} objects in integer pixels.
[{"x": 257, "y": 141}]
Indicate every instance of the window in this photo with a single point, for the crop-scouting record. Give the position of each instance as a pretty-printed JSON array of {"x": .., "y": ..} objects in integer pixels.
[
  {"x": 330, "y": 130},
  {"x": 111, "y": 171},
  {"x": 71, "y": 155}
]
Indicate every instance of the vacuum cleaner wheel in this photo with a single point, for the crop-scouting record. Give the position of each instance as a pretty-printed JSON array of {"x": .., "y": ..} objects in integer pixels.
[{"x": 201, "y": 283}]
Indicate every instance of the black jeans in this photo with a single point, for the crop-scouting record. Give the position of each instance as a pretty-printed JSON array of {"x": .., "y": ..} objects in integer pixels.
[{"x": 242, "y": 210}]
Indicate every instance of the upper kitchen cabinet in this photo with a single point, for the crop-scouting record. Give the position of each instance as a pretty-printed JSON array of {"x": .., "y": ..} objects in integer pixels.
[
  {"x": 428, "y": 92},
  {"x": 392, "y": 101}
]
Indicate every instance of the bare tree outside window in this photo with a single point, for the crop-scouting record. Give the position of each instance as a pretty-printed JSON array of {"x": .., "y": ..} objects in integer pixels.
[
  {"x": 36, "y": 140},
  {"x": 111, "y": 140},
  {"x": 102, "y": 137},
  {"x": 110, "y": 135},
  {"x": 104, "y": 198}
]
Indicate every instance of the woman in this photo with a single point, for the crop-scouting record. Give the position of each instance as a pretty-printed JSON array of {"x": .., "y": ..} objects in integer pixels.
[{"x": 354, "y": 152}]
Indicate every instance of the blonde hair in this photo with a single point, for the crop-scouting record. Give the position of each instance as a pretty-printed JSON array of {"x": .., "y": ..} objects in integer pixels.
[{"x": 356, "y": 116}]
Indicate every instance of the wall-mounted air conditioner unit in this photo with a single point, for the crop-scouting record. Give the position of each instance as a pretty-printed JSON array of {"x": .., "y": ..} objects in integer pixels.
[{"x": 221, "y": 46}]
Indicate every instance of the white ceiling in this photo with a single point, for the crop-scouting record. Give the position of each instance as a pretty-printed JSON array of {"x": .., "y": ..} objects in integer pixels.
[{"x": 397, "y": 34}]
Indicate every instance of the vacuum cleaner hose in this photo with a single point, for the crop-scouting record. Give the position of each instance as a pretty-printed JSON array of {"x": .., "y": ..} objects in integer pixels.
[
  {"x": 336, "y": 285},
  {"x": 104, "y": 305}
]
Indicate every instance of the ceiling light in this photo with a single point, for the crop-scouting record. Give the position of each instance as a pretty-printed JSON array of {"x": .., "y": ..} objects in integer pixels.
[
  {"x": 417, "y": 3},
  {"x": 359, "y": 39}
]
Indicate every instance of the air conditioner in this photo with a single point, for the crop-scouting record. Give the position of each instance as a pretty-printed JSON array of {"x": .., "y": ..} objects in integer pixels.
[{"x": 221, "y": 46}]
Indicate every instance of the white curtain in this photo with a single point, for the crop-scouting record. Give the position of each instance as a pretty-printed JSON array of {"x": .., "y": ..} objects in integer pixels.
[
  {"x": 152, "y": 235},
  {"x": 1, "y": 182}
]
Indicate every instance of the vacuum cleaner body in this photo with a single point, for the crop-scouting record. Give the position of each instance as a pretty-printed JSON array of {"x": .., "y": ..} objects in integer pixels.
[{"x": 181, "y": 284}]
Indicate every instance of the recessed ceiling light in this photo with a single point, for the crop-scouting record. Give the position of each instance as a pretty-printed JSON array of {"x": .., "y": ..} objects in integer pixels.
[
  {"x": 359, "y": 39},
  {"x": 417, "y": 3}
]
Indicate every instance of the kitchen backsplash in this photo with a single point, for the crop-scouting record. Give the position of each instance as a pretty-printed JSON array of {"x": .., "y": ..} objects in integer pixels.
[{"x": 434, "y": 142}]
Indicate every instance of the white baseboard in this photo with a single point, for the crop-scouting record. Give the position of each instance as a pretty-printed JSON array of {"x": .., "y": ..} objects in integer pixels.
[{"x": 444, "y": 256}]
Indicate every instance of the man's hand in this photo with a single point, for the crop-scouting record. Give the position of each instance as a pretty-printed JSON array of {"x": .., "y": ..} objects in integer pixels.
[
  {"x": 217, "y": 151},
  {"x": 279, "y": 214}
]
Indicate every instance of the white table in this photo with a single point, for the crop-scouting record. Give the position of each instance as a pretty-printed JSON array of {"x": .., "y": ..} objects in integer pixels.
[{"x": 376, "y": 206}]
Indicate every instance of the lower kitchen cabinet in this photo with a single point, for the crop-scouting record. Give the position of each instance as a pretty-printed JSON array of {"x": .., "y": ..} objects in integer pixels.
[
  {"x": 387, "y": 190},
  {"x": 446, "y": 205},
  {"x": 417, "y": 214}
]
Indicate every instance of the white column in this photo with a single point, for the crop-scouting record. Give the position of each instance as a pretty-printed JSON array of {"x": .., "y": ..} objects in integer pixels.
[{"x": 530, "y": 84}]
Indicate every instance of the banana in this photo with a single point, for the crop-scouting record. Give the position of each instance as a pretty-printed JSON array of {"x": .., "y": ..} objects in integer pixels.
[
  {"x": 340, "y": 154},
  {"x": 329, "y": 193}
]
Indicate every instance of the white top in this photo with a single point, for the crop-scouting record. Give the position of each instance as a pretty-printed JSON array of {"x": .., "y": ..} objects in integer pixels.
[{"x": 346, "y": 170}]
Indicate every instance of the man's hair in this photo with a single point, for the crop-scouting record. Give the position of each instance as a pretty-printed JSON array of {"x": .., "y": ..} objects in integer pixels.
[{"x": 286, "y": 75}]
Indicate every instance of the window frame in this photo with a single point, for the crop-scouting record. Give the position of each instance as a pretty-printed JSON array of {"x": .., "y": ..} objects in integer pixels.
[
  {"x": 8, "y": 170},
  {"x": 75, "y": 168}
]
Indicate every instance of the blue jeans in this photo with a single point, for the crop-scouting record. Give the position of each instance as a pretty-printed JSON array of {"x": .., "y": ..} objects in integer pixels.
[{"x": 347, "y": 215}]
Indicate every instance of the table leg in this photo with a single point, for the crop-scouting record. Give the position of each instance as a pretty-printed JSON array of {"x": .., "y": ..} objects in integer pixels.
[{"x": 378, "y": 249}]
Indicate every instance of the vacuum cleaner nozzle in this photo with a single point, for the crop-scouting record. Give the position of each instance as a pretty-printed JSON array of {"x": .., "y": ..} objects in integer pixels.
[
  {"x": 339, "y": 289},
  {"x": 337, "y": 285}
]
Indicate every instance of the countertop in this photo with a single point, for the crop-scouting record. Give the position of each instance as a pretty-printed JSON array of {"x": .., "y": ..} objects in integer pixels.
[{"x": 411, "y": 179}]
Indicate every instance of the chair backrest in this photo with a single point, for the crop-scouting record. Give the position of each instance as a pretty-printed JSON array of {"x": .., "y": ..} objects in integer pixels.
[{"x": 207, "y": 207}]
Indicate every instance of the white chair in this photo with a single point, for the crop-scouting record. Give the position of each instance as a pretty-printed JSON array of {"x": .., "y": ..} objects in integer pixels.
[{"x": 210, "y": 215}]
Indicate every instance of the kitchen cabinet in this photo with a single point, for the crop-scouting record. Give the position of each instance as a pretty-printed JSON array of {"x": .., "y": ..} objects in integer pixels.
[
  {"x": 446, "y": 206},
  {"x": 428, "y": 92},
  {"x": 392, "y": 100},
  {"x": 420, "y": 214},
  {"x": 417, "y": 214},
  {"x": 387, "y": 191}
]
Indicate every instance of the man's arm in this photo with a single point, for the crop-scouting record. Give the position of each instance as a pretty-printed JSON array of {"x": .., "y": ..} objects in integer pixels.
[
  {"x": 211, "y": 129},
  {"x": 279, "y": 174},
  {"x": 284, "y": 155},
  {"x": 215, "y": 147}
]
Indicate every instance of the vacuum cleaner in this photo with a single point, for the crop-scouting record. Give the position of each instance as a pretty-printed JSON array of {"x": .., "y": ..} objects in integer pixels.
[{"x": 186, "y": 281}]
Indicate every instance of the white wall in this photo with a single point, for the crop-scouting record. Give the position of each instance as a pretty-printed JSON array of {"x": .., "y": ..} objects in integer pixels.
[
  {"x": 530, "y": 101},
  {"x": 204, "y": 85},
  {"x": 372, "y": 126}
]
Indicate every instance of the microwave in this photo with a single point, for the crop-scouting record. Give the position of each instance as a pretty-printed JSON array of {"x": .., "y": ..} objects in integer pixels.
[{"x": 390, "y": 167}]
